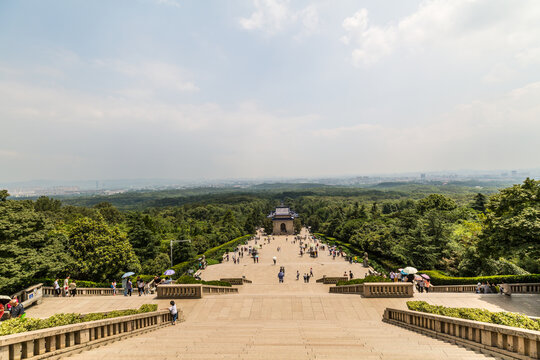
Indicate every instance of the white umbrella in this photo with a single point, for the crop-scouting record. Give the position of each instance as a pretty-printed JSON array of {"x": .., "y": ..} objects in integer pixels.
[{"x": 410, "y": 270}]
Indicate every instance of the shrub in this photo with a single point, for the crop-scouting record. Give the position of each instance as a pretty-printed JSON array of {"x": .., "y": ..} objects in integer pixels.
[
  {"x": 438, "y": 278},
  {"x": 499, "y": 318},
  {"x": 186, "y": 279},
  {"x": 367, "y": 279},
  {"x": 18, "y": 325},
  {"x": 212, "y": 262}
]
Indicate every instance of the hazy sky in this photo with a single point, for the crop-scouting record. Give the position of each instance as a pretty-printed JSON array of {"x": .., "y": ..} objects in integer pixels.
[{"x": 212, "y": 89}]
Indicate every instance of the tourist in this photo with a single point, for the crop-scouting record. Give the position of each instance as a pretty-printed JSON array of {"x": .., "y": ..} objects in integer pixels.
[
  {"x": 140, "y": 285},
  {"x": 427, "y": 285},
  {"x": 174, "y": 312},
  {"x": 350, "y": 275},
  {"x": 129, "y": 286},
  {"x": 305, "y": 277},
  {"x": 280, "y": 276},
  {"x": 57, "y": 290},
  {"x": 297, "y": 275},
  {"x": 257, "y": 259},
  {"x": 345, "y": 274},
  {"x": 73, "y": 288},
  {"x": 275, "y": 259},
  {"x": 113, "y": 286},
  {"x": 17, "y": 309},
  {"x": 66, "y": 286},
  {"x": 310, "y": 271},
  {"x": 420, "y": 284},
  {"x": 392, "y": 276}
]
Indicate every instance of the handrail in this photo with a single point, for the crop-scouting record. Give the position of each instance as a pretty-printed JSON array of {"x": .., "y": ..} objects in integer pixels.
[
  {"x": 191, "y": 291},
  {"x": 59, "y": 340},
  {"x": 489, "y": 338}
]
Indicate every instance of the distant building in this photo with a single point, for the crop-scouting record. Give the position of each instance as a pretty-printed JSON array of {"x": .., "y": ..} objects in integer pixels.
[
  {"x": 514, "y": 172},
  {"x": 283, "y": 221},
  {"x": 423, "y": 176}
]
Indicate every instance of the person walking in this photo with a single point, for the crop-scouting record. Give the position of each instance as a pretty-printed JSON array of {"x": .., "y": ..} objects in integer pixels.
[
  {"x": 350, "y": 275},
  {"x": 174, "y": 312},
  {"x": 297, "y": 275},
  {"x": 281, "y": 275},
  {"x": 73, "y": 289},
  {"x": 66, "y": 286},
  {"x": 129, "y": 286},
  {"x": 275, "y": 259},
  {"x": 140, "y": 285},
  {"x": 113, "y": 286},
  {"x": 310, "y": 271},
  {"x": 56, "y": 288},
  {"x": 305, "y": 278}
]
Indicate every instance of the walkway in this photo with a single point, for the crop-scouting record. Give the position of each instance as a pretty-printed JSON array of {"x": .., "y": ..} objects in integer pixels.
[{"x": 268, "y": 320}]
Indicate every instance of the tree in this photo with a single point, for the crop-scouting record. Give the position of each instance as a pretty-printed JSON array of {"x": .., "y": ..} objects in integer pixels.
[
  {"x": 100, "y": 252},
  {"x": 157, "y": 265},
  {"x": 436, "y": 202},
  {"x": 479, "y": 203},
  {"x": 29, "y": 246},
  {"x": 3, "y": 195},
  {"x": 109, "y": 212},
  {"x": 44, "y": 203},
  {"x": 512, "y": 226},
  {"x": 142, "y": 236}
]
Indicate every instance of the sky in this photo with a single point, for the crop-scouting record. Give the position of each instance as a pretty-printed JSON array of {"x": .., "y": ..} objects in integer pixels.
[{"x": 118, "y": 89}]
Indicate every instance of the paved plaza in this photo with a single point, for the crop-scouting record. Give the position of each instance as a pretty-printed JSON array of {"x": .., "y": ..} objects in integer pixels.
[{"x": 293, "y": 320}]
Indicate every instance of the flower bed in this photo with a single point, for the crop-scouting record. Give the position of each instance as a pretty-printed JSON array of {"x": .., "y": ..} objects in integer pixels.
[
  {"x": 18, "y": 325},
  {"x": 499, "y": 318}
]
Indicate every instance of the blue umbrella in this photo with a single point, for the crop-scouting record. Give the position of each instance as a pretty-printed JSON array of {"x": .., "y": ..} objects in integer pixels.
[
  {"x": 169, "y": 272},
  {"x": 129, "y": 273}
]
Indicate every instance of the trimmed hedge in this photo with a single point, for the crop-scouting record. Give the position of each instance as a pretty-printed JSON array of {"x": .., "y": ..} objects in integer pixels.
[
  {"x": 186, "y": 279},
  {"x": 18, "y": 325},
  {"x": 438, "y": 278},
  {"x": 499, "y": 318},
  {"x": 215, "y": 253},
  {"x": 367, "y": 279}
]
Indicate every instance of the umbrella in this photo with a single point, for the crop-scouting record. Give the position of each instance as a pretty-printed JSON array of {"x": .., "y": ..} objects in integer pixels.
[
  {"x": 169, "y": 272},
  {"x": 128, "y": 274},
  {"x": 425, "y": 276},
  {"x": 410, "y": 270},
  {"x": 417, "y": 277}
]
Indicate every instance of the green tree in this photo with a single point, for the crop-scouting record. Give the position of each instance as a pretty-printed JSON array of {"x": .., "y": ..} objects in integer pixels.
[
  {"x": 142, "y": 236},
  {"x": 512, "y": 226},
  {"x": 436, "y": 202},
  {"x": 479, "y": 203},
  {"x": 100, "y": 252},
  {"x": 44, "y": 203},
  {"x": 3, "y": 195},
  {"x": 111, "y": 214},
  {"x": 29, "y": 246}
]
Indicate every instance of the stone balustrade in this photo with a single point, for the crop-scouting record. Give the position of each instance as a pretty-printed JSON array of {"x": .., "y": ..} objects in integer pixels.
[
  {"x": 388, "y": 289},
  {"x": 49, "y": 291},
  {"x": 525, "y": 288},
  {"x": 332, "y": 279},
  {"x": 453, "y": 288},
  {"x": 384, "y": 289},
  {"x": 497, "y": 340},
  {"x": 191, "y": 291},
  {"x": 236, "y": 281},
  {"x": 348, "y": 289},
  {"x": 530, "y": 288},
  {"x": 40, "y": 344}
]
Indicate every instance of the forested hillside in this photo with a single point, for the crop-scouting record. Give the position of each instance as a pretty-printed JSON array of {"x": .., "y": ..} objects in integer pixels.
[{"x": 454, "y": 230}]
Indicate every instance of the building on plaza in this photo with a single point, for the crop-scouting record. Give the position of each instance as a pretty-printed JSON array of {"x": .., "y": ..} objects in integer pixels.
[{"x": 283, "y": 220}]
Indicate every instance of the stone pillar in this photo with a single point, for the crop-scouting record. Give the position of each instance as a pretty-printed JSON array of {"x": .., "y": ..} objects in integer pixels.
[
  {"x": 50, "y": 343},
  {"x": 39, "y": 346},
  {"x": 17, "y": 351},
  {"x": 60, "y": 341},
  {"x": 4, "y": 352}
]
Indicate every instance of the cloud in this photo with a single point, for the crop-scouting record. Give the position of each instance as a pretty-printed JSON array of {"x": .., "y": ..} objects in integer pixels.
[
  {"x": 483, "y": 134},
  {"x": 173, "y": 3},
  {"x": 274, "y": 16},
  {"x": 460, "y": 28}
]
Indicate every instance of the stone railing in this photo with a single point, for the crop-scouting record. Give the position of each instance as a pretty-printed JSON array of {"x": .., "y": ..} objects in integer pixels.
[
  {"x": 348, "y": 289},
  {"x": 332, "y": 279},
  {"x": 531, "y": 288},
  {"x": 49, "y": 291},
  {"x": 525, "y": 288},
  {"x": 497, "y": 340},
  {"x": 388, "y": 289},
  {"x": 236, "y": 281},
  {"x": 191, "y": 291},
  {"x": 40, "y": 344},
  {"x": 385, "y": 289},
  {"x": 30, "y": 296},
  {"x": 453, "y": 288}
]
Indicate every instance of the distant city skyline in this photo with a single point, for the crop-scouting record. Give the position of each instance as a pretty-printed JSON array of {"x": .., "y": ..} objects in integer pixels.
[{"x": 191, "y": 90}]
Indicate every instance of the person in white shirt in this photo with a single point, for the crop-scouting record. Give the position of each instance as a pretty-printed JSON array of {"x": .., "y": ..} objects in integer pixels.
[{"x": 174, "y": 312}]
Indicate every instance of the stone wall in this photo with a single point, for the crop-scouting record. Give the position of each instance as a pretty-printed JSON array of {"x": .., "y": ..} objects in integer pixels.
[{"x": 289, "y": 224}]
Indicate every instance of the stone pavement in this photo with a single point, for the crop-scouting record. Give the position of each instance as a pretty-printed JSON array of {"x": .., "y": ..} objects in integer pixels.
[{"x": 268, "y": 320}]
